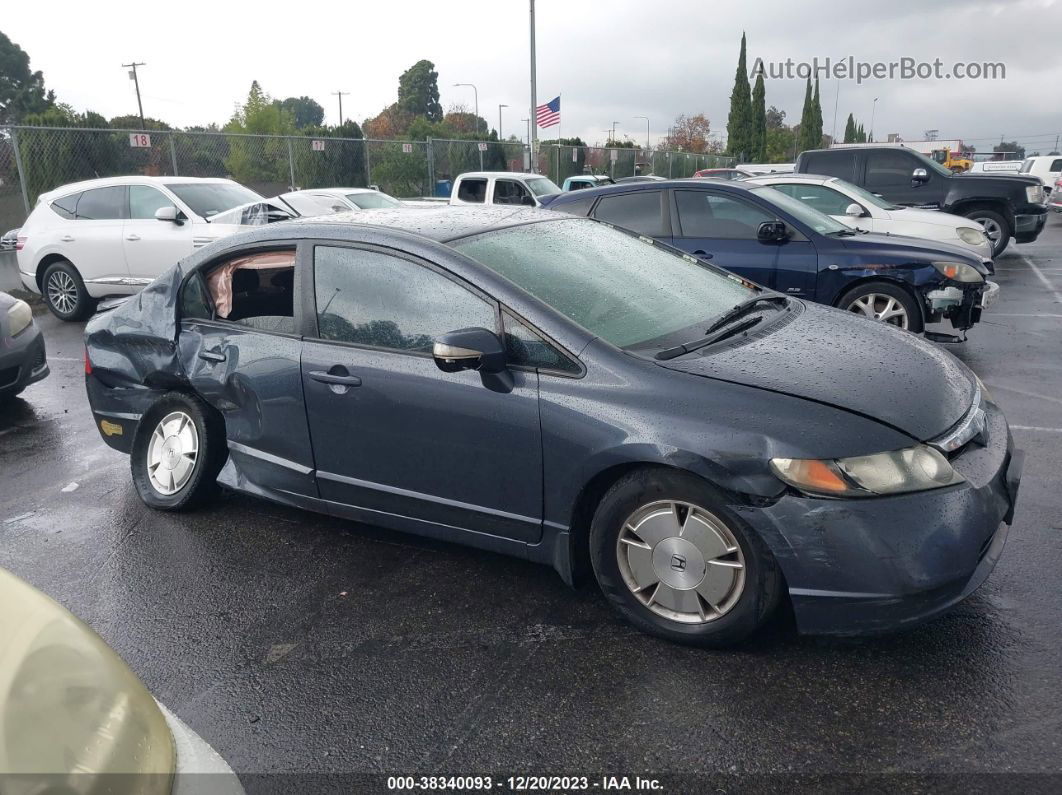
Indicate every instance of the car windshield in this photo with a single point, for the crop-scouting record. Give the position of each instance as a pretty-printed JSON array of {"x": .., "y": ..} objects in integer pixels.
[
  {"x": 372, "y": 201},
  {"x": 626, "y": 289},
  {"x": 809, "y": 216},
  {"x": 864, "y": 195},
  {"x": 210, "y": 198},
  {"x": 541, "y": 186}
]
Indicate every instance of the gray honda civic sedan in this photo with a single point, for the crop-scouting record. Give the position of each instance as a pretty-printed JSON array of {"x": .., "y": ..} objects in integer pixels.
[{"x": 561, "y": 390}]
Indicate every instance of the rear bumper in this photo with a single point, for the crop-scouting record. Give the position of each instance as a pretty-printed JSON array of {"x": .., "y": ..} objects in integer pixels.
[
  {"x": 23, "y": 360},
  {"x": 858, "y": 567},
  {"x": 117, "y": 412},
  {"x": 1027, "y": 227},
  {"x": 29, "y": 281}
]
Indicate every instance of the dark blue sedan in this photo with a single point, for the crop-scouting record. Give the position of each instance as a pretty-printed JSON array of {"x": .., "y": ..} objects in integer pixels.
[
  {"x": 574, "y": 394},
  {"x": 781, "y": 243}
]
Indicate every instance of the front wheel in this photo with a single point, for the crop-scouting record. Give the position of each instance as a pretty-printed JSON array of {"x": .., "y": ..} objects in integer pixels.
[
  {"x": 886, "y": 303},
  {"x": 997, "y": 230},
  {"x": 177, "y": 453},
  {"x": 676, "y": 562},
  {"x": 65, "y": 293}
]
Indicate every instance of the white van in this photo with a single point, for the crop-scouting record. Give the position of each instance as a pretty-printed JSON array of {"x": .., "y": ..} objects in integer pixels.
[{"x": 1047, "y": 167}]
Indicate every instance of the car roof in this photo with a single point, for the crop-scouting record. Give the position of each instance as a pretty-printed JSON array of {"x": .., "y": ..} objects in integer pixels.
[
  {"x": 789, "y": 176},
  {"x": 507, "y": 174},
  {"x": 336, "y": 190},
  {"x": 697, "y": 183},
  {"x": 106, "y": 182},
  {"x": 441, "y": 224}
]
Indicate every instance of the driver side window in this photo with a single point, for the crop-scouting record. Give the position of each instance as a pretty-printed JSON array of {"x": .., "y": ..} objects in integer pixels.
[{"x": 507, "y": 191}]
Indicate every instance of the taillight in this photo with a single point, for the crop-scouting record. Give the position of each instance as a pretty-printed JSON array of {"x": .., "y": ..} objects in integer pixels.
[
  {"x": 88, "y": 364},
  {"x": 20, "y": 243}
]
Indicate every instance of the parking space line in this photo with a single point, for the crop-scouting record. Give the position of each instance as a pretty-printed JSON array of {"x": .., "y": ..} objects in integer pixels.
[
  {"x": 1023, "y": 392},
  {"x": 1019, "y": 314},
  {"x": 1035, "y": 428},
  {"x": 1040, "y": 275}
]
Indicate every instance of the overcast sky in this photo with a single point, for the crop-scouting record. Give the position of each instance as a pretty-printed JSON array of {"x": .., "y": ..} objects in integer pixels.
[{"x": 610, "y": 61}]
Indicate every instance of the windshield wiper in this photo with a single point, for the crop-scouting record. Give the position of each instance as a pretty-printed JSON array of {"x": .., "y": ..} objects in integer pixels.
[
  {"x": 744, "y": 308},
  {"x": 843, "y": 233},
  {"x": 687, "y": 347}
]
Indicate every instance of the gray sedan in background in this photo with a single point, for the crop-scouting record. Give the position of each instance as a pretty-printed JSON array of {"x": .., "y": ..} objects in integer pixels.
[{"x": 23, "y": 360}]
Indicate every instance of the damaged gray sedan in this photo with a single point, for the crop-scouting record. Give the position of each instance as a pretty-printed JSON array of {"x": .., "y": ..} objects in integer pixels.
[{"x": 561, "y": 390}]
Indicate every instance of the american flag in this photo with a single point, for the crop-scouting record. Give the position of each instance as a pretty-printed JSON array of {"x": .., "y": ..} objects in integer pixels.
[{"x": 549, "y": 114}]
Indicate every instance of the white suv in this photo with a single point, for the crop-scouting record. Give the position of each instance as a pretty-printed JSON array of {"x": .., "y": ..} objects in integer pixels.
[{"x": 114, "y": 236}]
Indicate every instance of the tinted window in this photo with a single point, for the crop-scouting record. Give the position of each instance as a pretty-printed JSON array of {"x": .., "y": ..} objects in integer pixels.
[
  {"x": 100, "y": 204},
  {"x": 825, "y": 200},
  {"x": 833, "y": 164},
  {"x": 211, "y": 198},
  {"x": 580, "y": 207},
  {"x": 639, "y": 212},
  {"x": 704, "y": 214},
  {"x": 526, "y": 348},
  {"x": 1056, "y": 165},
  {"x": 885, "y": 169},
  {"x": 372, "y": 201},
  {"x": 66, "y": 205},
  {"x": 144, "y": 201},
  {"x": 472, "y": 190},
  {"x": 195, "y": 300},
  {"x": 507, "y": 191},
  {"x": 374, "y": 299}
]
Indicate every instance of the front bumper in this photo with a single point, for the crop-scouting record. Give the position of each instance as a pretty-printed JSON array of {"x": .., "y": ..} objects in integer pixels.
[
  {"x": 874, "y": 565},
  {"x": 1027, "y": 227},
  {"x": 23, "y": 360}
]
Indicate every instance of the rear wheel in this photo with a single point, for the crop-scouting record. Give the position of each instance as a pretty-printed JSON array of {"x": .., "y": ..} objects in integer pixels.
[
  {"x": 676, "y": 562},
  {"x": 885, "y": 303},
  {"x": 65, "y": 293},
  {"x": 996, "y": 227},
  {"x": 177, "y": 453}
]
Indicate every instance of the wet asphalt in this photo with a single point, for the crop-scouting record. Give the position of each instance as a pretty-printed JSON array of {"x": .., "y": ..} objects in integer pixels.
[{"x": 294, "y": 642}]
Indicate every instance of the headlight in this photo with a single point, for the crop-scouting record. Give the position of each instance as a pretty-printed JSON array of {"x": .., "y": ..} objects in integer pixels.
[
  {"x": 18, "y": 317},
  {"x": 959, "y": 271},
  {"x": 970, "y": 236},
  {"x": 912, "y": 469},
  {"x": 1034, "y": 193}
]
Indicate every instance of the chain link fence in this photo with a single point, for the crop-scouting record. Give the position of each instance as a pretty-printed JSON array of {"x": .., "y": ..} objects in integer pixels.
[{"x": 34, "y": 160}]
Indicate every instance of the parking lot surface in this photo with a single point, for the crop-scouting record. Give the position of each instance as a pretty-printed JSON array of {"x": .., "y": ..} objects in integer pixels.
[{"x": 294, "y": 642}]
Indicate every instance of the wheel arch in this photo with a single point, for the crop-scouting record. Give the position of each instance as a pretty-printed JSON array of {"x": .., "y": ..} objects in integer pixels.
[
  {"x": 902, "y": 284},
  {"x": 1000, "y": 206},
  {"x": 48, "y": 260}
]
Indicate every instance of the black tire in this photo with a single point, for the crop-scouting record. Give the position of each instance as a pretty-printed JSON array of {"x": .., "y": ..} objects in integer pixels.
[
  {"x": 762, "y": 583},
  {"x": 65, "y": 294},
  {"x": 990, "y": 219},
  {"x": 915, "y": 320},
  {"x": 211, "y": 453}
]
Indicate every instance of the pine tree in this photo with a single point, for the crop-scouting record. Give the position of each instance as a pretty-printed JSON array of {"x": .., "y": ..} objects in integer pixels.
[
  {"x": 850, "y": 130},
  {"x": 759, "y": 121},
  {"x": 738, "y": 125}
]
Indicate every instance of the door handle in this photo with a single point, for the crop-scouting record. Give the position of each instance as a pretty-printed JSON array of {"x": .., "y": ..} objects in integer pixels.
[
  {"x": 335, "y": 378},
  {"x": 67, "y": 239},
  {"x": 702, "y": 254},
  {"x": 132, "y": 237},
  {"x": 212, "y": 356}
]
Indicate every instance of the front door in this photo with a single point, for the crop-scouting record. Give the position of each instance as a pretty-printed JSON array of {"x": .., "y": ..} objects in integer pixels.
[
  {"x": 393, "y": 434},
  {"x": 889, "y": 174},
  {"x": 723, "y": 230},
  {"x": 151, "y": 245}
]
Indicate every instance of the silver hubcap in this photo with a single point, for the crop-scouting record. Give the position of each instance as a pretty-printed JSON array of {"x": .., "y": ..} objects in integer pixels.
[
  {"x": 880, "y": 307},
  {"x": 172, "y": 452},
  {"x": 62, "y": 292},
  {"x": 992, "y": 230},
  {"x": 681, "y": 562}
]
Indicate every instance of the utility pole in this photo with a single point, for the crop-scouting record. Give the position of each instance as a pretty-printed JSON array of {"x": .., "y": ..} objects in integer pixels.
[
  {"x": 873, "y": 111},
  {"x": 614, "y": 130},
  {"x": 136, "y": 82},
  {"x": 500, "y": 121},
  {"x": 646, "y": 130},
  {"x": 836, "y": 96},
  {"x": 528, "y": 130},
  {"x": 340, "y": 94}
]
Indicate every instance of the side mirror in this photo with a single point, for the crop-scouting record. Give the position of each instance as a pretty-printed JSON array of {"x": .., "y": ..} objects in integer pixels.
[
  {"x": 772, "y": 232},
  {"x": 469, "y": 349},
  {"x": 854, "y": 210},
  {"x": 919, "y": 175},
  {"x": 168, "y": 213}
]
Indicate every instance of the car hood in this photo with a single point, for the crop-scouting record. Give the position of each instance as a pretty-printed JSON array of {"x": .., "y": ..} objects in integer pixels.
[
  {"x": 838, "y": 359},
  {"x": 999, "y": 178},
  {"x": 931, "y": 217},
  {"x": 915, "y": 249}
]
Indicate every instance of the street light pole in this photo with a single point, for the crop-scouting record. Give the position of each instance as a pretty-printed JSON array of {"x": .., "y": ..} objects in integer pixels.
[
  {"x": 533, "y": 132},
  {"x": 646, "y": 130},
  {"x": 528, "y": 130},
  {"x": 614, "y": 130},
  {"x": 475, "y": 93},
  {"x": 136, "y": 82},
  {"x": 500, "y": 121},
  {"x": 873, "y": 110}
]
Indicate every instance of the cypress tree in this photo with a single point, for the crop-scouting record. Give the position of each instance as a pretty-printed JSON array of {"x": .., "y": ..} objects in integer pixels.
[
  {"x": 738, "y": 125},
  {"x": 816, "y": 119},
  {"x": 759, "y": 121},
  {"x": 850, "y": 130}
]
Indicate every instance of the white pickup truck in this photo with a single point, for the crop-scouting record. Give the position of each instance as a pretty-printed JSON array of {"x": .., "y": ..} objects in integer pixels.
[{"x": 502, "y": 187}]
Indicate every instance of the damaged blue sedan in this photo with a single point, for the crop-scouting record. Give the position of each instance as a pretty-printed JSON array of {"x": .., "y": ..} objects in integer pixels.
[{"x": 574, "y": 394}]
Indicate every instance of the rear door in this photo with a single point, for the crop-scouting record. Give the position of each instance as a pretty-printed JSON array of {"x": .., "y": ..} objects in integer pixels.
[
  {"x": 392, "y": 433},
  {"x": 94, "y": 241},
  {"x": 151, "y": 246},
  {"x": 242, "y": 356},
  {"x": 723, "y": 229}
]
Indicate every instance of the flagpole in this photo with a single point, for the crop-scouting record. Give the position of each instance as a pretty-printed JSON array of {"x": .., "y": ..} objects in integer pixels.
[
  {"x": 558, "y": 120},
  {"x": 534, "y": 99}
]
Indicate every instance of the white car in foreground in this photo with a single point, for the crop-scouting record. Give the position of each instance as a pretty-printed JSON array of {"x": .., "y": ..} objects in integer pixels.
[
  {"x": 113, "y": 236},
  {"x": 860, "y": 209}
]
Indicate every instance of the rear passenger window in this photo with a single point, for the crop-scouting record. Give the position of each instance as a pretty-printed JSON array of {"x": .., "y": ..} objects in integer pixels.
[
  {"x": 101, "y": 204},
  {"x": 472, "y": 190},
  {"x": 255, "y": 290},
  {"x": 526, "y": 348},
  {"x": 66, "y": 206},
  {"x": 640, "y": 212},
  {"x": 832, "y": 164}
]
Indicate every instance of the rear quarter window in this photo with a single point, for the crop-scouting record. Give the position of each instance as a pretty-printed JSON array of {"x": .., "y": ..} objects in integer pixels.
[
  {"x": 579, "y": 207},
  {"x": 65, "y": 206}
]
